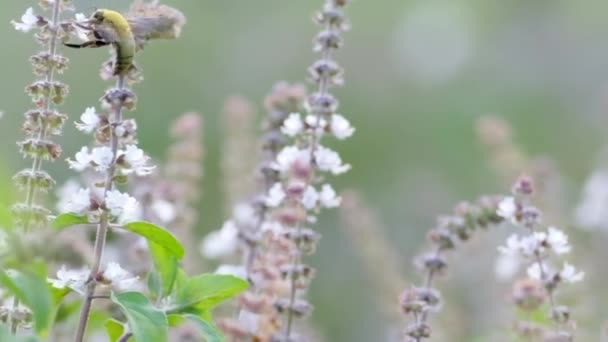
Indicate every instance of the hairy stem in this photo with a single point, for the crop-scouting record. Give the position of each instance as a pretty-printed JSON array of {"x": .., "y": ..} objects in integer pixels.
[{"x": 102, "y": 227}]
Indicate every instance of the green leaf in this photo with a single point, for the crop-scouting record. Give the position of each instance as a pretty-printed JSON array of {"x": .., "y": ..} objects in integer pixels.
[
  {"x": 115, "y": 329},
  {"x": 208, "y": 330},
  {"x": 166, "y": 265},
  {"x": 63, "y": 221},
  {"x": 31, "y": 289},
  {"x": 158, "y": 235},
  {"x": 147, "y": 323},
  {"x": 5, "y": 335},
  {"x": 206, "y": 291}
]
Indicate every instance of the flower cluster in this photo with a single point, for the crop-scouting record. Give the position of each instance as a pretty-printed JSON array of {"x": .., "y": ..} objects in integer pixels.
[
  {"x": 450, "y": 232},
  {"x": 538, "y": 249}
]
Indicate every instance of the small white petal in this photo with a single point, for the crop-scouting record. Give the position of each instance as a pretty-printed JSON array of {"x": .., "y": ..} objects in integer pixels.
[
  {"x": 310, "y": 198},
  {"x": 234, "y": 270},
  {"x": 82, "y": 160},
  {"x": 28, "y": 21},
  {"x": 221, "y": 242},
  {"x": 120, "y": 279},
  {"x": 122, "y": 206},
  {"x": 329, "y": 160},
  {"x": 102, "y": 157},
  {"x": 558, "y": 241},
  {"x": 570, "y": 274},
  {"x": 328, "y": 197},
  {"x": 89, "y": 120},
  {"x": 340, "y": 127},
  {"x": 293, "y": 125},
  {"x": 507, "y": 208},
  {"x": 74, "y": 279},
  {"x": 275, "y": 196}
]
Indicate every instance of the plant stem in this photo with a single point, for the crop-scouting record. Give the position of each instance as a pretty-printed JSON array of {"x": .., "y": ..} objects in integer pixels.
[{"x": 102, "y": 228}]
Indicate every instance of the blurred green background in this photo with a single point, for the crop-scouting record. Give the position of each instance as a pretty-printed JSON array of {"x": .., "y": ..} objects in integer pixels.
[{"x": 418, "y": 75}]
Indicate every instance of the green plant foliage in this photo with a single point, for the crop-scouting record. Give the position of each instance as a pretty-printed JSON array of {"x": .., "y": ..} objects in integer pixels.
[
  {"x": 115, "y": 329},
  {"x": 204, "y": 292},
  {"x": 158, "y": 235},
  {"x": 67, "y": 220},
  {"x": 147, "y": 323},
  {"x": 208, "y": 330},
  {"x": 5, "y": 336},
  {"x": 166, "y": 266},
  {"x": 30, "y": 287}
]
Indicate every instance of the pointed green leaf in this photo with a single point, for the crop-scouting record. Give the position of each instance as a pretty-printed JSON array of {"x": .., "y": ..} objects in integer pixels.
[
  {"x": 63, "y": 221},
  {"x": 166, "y": 266},
  {"x": 31, "y": 289},
  {"x": 209, "y": 331},
  {"x": 115, "y": 329},
  {"x": 158, "y": 235},
  {"x": 147, "y": 323},
  {"x": 206, "y": 291}
]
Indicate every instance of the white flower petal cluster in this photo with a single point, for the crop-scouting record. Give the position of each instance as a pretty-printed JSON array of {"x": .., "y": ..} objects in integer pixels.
[
  {"x": 507, "y": 209},
  {"x": 133, "y": 160},
  {"x": 89, "y": 120},
  {"x": 28, "y": 21},
  {"x": 290, "y": 155},
  {"x": 73, "y": 279},
  {"x": 538, "y": 243},
  {"x": 329, "y": 160},
  {"x": 568, "y": 273},
  {"x": 221, "y": 242},
  {"x": 293, "y": 125},
  {"x": 340, "y": 127},
  {"x": 120, "y": 279},
  {"x": 122, "y": 206},
  {"x": 275, "y": 195}
]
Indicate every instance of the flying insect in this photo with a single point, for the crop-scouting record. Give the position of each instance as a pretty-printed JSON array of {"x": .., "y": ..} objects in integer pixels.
[{"x": 128, "y": 33}]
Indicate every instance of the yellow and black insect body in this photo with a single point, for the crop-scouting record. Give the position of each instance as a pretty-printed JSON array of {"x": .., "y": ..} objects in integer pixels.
[{"x": 128, "y": 33}]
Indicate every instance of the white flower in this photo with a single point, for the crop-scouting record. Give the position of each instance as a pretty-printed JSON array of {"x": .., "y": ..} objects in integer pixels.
[
  {"x": 250, "y": 321},
  {"x": 164, "y": 210},
  {"x": 65, "y": 193},
  {"x": 314, "y": 121},
  {"x": 89, "y": 119},
  {"x": 512, "y": 246},
  {"x": 293, "y": 125},
  {"x": 28, "y": 21},
  {"x": 310, "y": 198},
  {"x": 288, "y": 156},
  {"x": 340, "y": 127},
  {"x": 244, "y": 215},
  {"x": 235, "y": 270},
  {"x": 591, "y": 213},
  {"x": 328, "y": 160},
  {"x": 83, "y": 159},
  {"x": 119, "y": 278},
  {"x": 122, "y": 206},
  {"x": 534, "y": 271},
  {"x": 74, "y": 279},
  {"x": 570, "y": 275},
  {"x": 272, "y": 226},
  {"x": 136, "y": 160},
  {"x": 525, "y": 246},
  {"x": 328, "y": 197},
  {"x": 558, "y": 241},
  {"x": 79, "y": 202},
  {"x": 81, "y": 33},
  {"x": 102, "y": 157},
  {"x": 275, "y": 195},
  {"x": 506, "y": 266},
  {"x": 221, "y": 242},
  {"x": 507, "y": 208}
]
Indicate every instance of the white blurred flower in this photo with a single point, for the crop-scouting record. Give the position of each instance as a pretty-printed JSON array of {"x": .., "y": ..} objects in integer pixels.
[
  {"x": 570, "y": 274},
  {"x": 340, "y": 127},
  {"x": 328, "y": 197},
  {"x": 591, "y": 212},
  {"x": 507, "y": 208},
  {"x": 221, "y": 242},
  {"x": 557, "y": 241},
  {"x": 119, "y": 278},
  {"x": 82, "y": 159},
  {"x": 79, "y": 202},
  {"x": 328, "y": 160},
  {"x": 122, "y": 206},
  {"x": 275, "y": 195},
  {"x": 136, "y": 160},
  {"x": 250, "y": 321},
  {"x": 315, "y": 121},
  {"x": 310, "y": 198},
  {"x": 81, "y": 33},
  {"x": 288, "y": 156},
  {"x": 74, "y": 279},
  {"x": 244, "y": 215},
  {"x": 64, "y": 194},
  {"x": 512, "y": 246},
  {"x": 534, "y": 271},
  {"x": 235, "y": 270},
  {"x": 506, "y": 266},
  {"x": 89, "y": 119},
  {"x": 293, "y": 125},
  {"x": 102, "y": 157},
  {"x": 272, "y": 226},
  {"x": 28, "y": 21},
  {"x": 164, "y": 210}
]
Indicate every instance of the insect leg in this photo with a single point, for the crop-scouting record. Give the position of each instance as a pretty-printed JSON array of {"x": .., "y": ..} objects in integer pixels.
[{"x": 92, "y": 44}]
